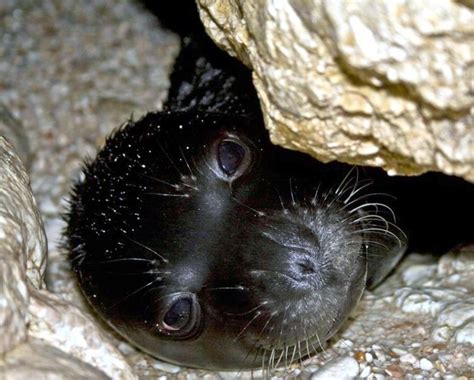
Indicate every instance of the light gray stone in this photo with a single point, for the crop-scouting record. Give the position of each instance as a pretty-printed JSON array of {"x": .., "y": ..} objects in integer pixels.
[
  {"x": 342, "y": 368},
  {"x": 38, "y": 361}
]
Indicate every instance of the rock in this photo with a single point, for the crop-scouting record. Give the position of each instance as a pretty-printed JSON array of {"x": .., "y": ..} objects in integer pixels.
[
  {"x": 344, "y": 367},
  {"x": 408, "y": 358},
  {"x": 27, "y": 361},
  {"x": 465, "y": 333},
  {"x": 12, "y": 129},
  {"x": 22, "y": 247},
  {"x": 385, "y": 84},
  {"x": 394, "y": 371},
  {"x": 425, "y": 364},
  {"x": 66, "y": 328},
  {"x": 36, "y": 360}
]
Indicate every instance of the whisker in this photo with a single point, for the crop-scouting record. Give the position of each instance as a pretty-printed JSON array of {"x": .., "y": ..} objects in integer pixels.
[
  {"x": 239, "y": 287},
  {"x": 175, "y": 186},
  {"x": 363, "y": 196},
  {"x": 251, "y": 310},
  {"x": 371, "y": 218},
  {"x": 257, "y": 314},
  {"x": 259, "y": 213},
  {"x": 316, "y": 195},
  {"x": 169, "y": 158},
  {"x": 380, "y": 231},
  {"x": 187, "y": 163},
  {"x": 151, "y": 271},
  {"x": 376, "y": 204},
  {"x": 340, "y": 187},
  {"x": 283, "y": 352},
  {"x": 134, "y": 292},
  {"x": 291, "y": 193},
  {"x": 125, "y": 259},
  {"x": 355, "y": 191},
  {"x": 147, "y": 248},
  {"x": 169, "y": 195}
]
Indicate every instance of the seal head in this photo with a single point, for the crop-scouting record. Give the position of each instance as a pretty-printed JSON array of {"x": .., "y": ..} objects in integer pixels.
[{"x": 205, "y": 245}]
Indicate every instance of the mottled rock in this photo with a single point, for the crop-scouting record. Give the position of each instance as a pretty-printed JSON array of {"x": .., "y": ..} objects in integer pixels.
[
  {"x": 22, "y": 247},
  {"x": 385, "y": 83},
  {"x": 68, "y": 329},
  {"x": 36, "y": 360},
  {"x": 12, "y": 129}
]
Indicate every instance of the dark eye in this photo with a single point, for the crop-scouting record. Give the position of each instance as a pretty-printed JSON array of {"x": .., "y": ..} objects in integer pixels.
[
  {"x": 230, "y": 155},
  {"x": 178, "y": 315}
]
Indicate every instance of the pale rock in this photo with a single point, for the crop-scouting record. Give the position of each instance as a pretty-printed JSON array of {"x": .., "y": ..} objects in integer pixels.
[
  {"x": 65, "y": 327},
  {"x": 425, "y": 364},
  {"x": 408, "y": 358},
  {"x": 465, "y": 334},
  {"x": 418, "y": 272},
  {"x": 426, "y": 300},
  {"x": 14, "y": 132},
  {"x": 470, "y": 361},
  {"x": 166, "y": 367},
  {"x": 22, "y": 247},
  {"x": 36, "y": 360},
  {"x": 365, "y": 372},
  {"x": 387, "y": 83},
  {"x": 344, "y": 367}
]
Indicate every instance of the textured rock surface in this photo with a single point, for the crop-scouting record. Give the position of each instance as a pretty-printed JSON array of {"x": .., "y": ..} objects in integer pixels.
[
  {"x": 71, "y": 77},
  {"x": 26, "y": 311},
  {"x": 12, "y": 129},
  {"x": 22, "y": 247},
  {"x": 61, "y": 325},
  {"x": 386, "y": 83},
  {"x": 37, "y": 361}
]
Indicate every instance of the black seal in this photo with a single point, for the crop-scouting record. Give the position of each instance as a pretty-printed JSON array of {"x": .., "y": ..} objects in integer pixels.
[{"x": 205, "y": 245}]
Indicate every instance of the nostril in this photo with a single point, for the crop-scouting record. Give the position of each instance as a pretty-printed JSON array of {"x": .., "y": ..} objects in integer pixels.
[{"x": 305, "y": 267}]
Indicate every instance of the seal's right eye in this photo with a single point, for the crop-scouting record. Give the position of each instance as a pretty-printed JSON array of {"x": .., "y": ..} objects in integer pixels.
[
  {"x": 230, "y": 156},
  {"x": 233, "y": 158}
]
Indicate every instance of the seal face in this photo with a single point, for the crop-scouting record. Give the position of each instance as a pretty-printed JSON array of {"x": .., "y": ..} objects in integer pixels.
[{"x": 205, "y": 245}]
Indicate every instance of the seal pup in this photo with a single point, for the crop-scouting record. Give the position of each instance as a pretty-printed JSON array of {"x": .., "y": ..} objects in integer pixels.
[{"x": 205, "y": 245}]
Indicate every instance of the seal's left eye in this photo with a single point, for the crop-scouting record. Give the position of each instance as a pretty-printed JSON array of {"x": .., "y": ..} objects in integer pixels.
[
  {"x": 230, "y": 155},
  {"x": 178, "y": 315}
]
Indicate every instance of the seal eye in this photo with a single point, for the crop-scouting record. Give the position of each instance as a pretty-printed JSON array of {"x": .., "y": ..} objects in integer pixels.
[
  {"x": 230, "y": 155},
  {"x": 178, "y": 315}
]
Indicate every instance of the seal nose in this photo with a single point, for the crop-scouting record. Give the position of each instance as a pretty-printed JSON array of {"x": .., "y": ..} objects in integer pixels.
[
  {"x": 304, "y": 266},
  {"x": 180, "y": 315}
]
